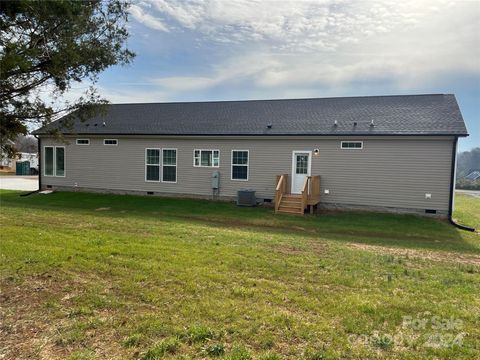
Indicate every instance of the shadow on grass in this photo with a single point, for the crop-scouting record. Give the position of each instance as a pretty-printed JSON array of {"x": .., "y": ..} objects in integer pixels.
[{"x": 406, "y": 231}]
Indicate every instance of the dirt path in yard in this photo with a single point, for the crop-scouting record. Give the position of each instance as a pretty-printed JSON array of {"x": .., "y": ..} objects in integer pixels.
[{"x": 442, "y": 256}]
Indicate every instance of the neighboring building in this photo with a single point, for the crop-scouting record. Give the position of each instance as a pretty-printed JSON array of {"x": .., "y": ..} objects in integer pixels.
[
  {"x": 30, "y": 157},
  {"x": 388, "y": 153},
  {"x": 8, "y": 163}
]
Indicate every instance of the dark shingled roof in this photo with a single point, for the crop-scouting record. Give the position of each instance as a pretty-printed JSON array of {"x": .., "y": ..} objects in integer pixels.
[{"x": 391, "y": 115}]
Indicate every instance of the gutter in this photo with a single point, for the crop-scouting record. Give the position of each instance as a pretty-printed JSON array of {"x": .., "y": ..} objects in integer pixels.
[
  {"x": 266, "y": 134},
  {"x": 452, "y": 190}
]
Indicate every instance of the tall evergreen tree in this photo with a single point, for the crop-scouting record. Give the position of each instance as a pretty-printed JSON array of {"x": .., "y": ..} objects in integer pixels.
[{"x": 45, "y": 47}]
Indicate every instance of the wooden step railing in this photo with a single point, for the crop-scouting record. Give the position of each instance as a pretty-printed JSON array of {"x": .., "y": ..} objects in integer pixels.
[
  {"x": 314, "y": 189},
  {"x": 280, "y": 189},
  {"x": 310, "y": 192},
  {"x": 305, "y": 191}
]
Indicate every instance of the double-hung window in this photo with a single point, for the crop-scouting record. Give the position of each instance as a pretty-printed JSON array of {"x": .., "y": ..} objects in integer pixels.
[
  {"x": 240, "y": 165},
  {"x": 54, "y": 161},
  {"x": 152, "y": 164},
  {"x": 169, "y": 165},
  {"x": 206, "y": 158}
]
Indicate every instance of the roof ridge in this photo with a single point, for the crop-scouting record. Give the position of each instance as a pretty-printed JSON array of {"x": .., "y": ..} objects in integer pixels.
[{"x": 280, "y": 99}]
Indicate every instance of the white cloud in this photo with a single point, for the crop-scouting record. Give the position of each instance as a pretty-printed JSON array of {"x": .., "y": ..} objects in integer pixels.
[
  {"x": 148, "y": 20},
  {"x": 301, "y": 25},
  {"x": 305, "y": 44}
]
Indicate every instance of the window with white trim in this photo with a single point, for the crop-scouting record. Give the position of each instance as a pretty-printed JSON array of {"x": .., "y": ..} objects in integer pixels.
[
  {"x": 240, "y": 165},
  {"x": 152, "y": 164},
  {"x": 352, "y": 145},
  {"x": 206, "y": 158},
  {"x": 59, "y": 161},
  {"x": 111, "y": 142},
  {"x": 54, "y": 161},
  {"x": 169, "y": 165},
  {"x": 48, "y": 156},
  {"x": 83, "y": 141}
]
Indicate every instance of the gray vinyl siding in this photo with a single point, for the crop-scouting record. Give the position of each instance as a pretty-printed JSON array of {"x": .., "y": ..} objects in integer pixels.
[{"x": 387, "y": 172}]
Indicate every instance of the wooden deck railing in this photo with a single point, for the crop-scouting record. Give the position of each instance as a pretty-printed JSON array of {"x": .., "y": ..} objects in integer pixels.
[
  {"x": 280, "y": 189},
  {"x": 311, "y": 192},
  {"x": 304, "y": 192},
  {"x": 314, "y": 189}
]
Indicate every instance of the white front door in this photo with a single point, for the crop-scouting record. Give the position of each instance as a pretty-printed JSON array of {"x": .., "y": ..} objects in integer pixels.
[{"x": 301, "y": 166}]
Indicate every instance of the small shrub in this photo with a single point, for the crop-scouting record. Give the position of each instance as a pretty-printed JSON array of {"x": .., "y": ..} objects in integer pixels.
[
  {"x": 167, "y": 346},
  {"x": 215, "y": 350},
  {"x": 133, "y": 340}
]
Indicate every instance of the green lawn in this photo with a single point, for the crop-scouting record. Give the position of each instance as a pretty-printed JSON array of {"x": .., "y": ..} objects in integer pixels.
[{"x": 86, "y": 276}]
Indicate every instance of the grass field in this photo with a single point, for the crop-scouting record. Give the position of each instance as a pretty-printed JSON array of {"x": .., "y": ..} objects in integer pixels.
[{"x": 86, "y": 276}]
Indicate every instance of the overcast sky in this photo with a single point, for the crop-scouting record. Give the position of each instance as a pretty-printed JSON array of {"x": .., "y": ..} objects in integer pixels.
[{"x": 249, "y": 49}]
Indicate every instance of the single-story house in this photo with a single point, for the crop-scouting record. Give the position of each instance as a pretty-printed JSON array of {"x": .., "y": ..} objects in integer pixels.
[{"x": 386, "y": 153}]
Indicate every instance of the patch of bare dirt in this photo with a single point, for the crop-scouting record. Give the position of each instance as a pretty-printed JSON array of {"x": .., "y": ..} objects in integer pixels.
[
  {"x": 22, "y": 330},
  {"x": 29, "y": 328},
  {"x": 442, "y": 256}
]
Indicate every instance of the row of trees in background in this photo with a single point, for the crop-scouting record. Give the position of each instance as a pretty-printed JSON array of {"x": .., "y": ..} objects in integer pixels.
[{"x": 467, "y": 162}]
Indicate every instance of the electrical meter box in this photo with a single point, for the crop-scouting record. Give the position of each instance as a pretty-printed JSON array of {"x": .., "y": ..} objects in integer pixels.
[{"x": 215, "y": 180}]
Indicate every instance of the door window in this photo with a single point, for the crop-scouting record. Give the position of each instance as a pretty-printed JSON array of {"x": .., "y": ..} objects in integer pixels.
[{"x": 301, "y": 166}]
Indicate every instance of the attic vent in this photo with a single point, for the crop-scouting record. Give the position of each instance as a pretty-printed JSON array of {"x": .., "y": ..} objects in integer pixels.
[
  {"x": 87, "y": 124},
  {"x": 104, "y": 124},
  {"x": 269, "y": 126},
  {"x": 335, "y": 123},
  {"x": 354, "y": 123},
  {"x": 372, "y": 124},
  {"x": 95, "y": 124}
]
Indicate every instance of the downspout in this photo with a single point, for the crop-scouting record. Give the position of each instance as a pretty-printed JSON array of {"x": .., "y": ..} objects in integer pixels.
[
  {"x": 452, "y": 189},
  {"x": 39, "y": 140}
]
